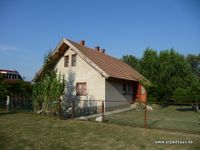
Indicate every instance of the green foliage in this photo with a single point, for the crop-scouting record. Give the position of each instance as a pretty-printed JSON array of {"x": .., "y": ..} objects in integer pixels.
[
  {"x": 48, "y": 87},
  {"x": 174, "y": 72},
  {"x": 18, "y": 88},
  {"x": 191, "y": 94},
  {"x": 149, "y": 64},
  {"x": 131, "y": 61},
  {"x": 156, "y": 106},
  {"x": 167, "y": 71},
  {"x": 194, "y": 61},
  {"x": 4, "y": 88},
  {"x": 171, "y": 74},
  {"x": 48, "y": 67},
  {"x": 47, "y": 93},
  {"x": 181, "y": 94},
  {"x": 140, "y": 106}
]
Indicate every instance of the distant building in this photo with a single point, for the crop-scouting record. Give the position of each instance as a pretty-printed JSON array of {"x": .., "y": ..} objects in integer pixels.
[{"x": 11, "y": 74}]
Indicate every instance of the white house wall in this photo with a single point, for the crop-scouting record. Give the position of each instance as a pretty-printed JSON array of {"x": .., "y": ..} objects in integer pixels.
[
  {"x": 84, "y": 73},
  {"x": 114, "y": 95}
]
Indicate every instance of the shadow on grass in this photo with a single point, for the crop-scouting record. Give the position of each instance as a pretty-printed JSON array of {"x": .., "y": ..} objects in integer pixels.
[
  {"x": 5, "y": 112},
  {"x": 185, "y": 109}
]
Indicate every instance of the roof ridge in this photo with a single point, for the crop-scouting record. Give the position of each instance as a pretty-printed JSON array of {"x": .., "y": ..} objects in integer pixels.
[
  {"x": 108, "y": 66},
  {"x": 93, "y": 49},
  {"x": 113, "y": 66}
]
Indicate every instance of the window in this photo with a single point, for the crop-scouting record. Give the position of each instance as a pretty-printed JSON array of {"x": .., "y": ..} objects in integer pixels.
[
  {"x": 66, "y": 61},
  {"x": 129, "y": 88},
  {"x": 124, "y": 89},
  {"x": 74, "y": 60},
  {"x": 81, "y": 89}
]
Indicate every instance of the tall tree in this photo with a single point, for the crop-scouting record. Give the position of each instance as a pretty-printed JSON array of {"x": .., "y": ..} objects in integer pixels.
[
  {"x": 194, "y": 61},
  {"x": 167, "y": 71},
  {"x": 149, "y": 64},
  {"x": 48, "y": 87},
  {"x": 47, "y": 92},
  {"x": 174, "y": 72},
  {"x": 131, "y": 61},
  {"x": 48, "y": 67},
  {"x": 172, "y": 75}
]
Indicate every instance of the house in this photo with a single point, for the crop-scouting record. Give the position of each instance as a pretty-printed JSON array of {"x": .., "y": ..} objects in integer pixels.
[
  {"x": 98, "y": 76},
  {"x": 10, "y": 75}
]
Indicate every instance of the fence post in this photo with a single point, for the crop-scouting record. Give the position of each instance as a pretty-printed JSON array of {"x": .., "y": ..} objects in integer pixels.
[
  {"x": 73, "y": 109},
  {"x": 145, "y": 116},
  {"x": 8, "y": 102},
  {"x": 102, "y": 110}
]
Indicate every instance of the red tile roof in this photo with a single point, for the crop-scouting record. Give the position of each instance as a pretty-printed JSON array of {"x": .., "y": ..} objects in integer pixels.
[
  {"x": 114, "y": 67},
  {"x": 8, "y": 71}
]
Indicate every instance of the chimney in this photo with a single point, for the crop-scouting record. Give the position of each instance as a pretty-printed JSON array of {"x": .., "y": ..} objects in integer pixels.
[
  {"x": 82, "y": 42},
  {"x": 97, "y": 48}
]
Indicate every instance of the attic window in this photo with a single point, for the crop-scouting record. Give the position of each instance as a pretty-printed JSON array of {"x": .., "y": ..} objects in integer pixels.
[
  {"x": 74, "y": 60},
  {"x": 66, "y": 61}
]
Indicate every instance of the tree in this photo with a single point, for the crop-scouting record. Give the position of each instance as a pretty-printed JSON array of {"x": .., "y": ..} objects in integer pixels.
[
  {"x": 17, "y": 89},
  {"x": 4, "y": 86},
  {"x": 48, "y": 67},
  {"x": 48, "y": 87},
  {"x": 172, "y": 76},
  {"x": 149, "y": 64},
  {"x": 194, "y": 61},
  {"x": 131, "y": 61},
  {"x": 167, "y": 72},
  {"x": 47, "y": 93}
]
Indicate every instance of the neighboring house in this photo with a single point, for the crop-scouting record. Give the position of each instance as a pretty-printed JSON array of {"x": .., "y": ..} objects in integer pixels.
[
  {"x": 98, "y": 76},
  {"x": 10, "y": 75}
]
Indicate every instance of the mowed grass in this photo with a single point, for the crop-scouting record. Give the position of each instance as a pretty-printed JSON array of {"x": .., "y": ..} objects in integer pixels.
[
  {"x": 31, "y": 131},
  {"x": 179, "y": 118}
]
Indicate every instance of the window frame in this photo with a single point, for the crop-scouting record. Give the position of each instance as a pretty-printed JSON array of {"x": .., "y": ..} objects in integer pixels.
[
  {"x": 83, "y": 90},
  {"x": 129, "y": 89},
  {"x": 73, "y": 61},
  {"x": 124, "y": 89},
  {"x": 66, "y": 61}
]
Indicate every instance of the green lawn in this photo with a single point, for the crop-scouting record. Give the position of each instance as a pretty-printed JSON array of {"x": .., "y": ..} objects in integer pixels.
[
  {"x": 31, "y": 131},
  {"x": 167, "y": 118}
]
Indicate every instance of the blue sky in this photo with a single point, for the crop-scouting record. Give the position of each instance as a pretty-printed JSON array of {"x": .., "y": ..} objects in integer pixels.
[{"x": 29, "y": 28}]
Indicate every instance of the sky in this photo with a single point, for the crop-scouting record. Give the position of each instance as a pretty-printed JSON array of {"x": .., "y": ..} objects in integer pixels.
[{"x": 30, "y": 28}]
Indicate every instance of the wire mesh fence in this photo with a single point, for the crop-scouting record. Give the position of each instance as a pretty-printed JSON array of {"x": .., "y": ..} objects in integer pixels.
[
  {"x": 16, "y": 103},
  {"x": 172, "y": 116},
  {"x": 168, "y": 116}
]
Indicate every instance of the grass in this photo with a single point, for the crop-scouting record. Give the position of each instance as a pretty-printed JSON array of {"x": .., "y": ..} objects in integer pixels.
[
  {"x": 171, "y": 117},
  {"x": 32, "y": 131}
]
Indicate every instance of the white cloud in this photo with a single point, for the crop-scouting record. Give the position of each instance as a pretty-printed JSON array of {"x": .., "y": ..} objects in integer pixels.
[{"x": 6, "y": 48}]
